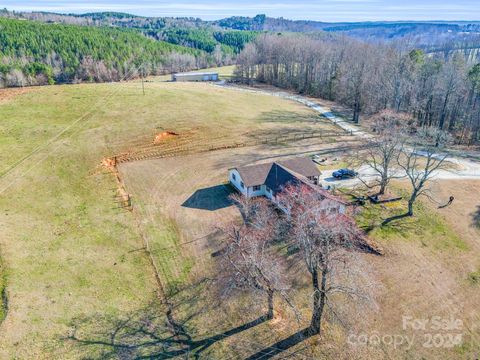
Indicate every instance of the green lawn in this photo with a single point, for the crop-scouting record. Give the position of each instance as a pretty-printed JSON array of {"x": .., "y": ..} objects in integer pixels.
[
  {"x": 67, "y": 249},
  {"x": 426, "y": 228}
]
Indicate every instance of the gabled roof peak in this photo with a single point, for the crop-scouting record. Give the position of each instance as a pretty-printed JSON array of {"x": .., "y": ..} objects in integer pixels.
[{"x": 258, "y": 174}]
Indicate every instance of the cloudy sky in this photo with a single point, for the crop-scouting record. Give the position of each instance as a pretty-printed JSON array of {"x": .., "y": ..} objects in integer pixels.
[{"x": 322, "y": 10}]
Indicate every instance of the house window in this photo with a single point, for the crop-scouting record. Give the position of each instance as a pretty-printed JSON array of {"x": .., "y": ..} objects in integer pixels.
[
  {"x": 234, "y": 177},
  {"x": 257, "y": 188},
  {"x": 242, "y": 184}
]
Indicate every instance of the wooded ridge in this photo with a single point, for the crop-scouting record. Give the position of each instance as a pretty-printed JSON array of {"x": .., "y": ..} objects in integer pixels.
[{"x": 368, "y": 78}]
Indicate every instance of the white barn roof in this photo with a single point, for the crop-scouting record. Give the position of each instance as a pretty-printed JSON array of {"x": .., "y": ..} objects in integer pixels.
[{"x": 195, "y": 73}]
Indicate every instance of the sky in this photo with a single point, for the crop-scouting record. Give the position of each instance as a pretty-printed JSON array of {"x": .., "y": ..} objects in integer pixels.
[{"x": 321, "y": 10}]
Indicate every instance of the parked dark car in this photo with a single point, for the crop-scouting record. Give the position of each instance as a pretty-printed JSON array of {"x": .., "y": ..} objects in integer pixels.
[{"x": 344, "y": 173}]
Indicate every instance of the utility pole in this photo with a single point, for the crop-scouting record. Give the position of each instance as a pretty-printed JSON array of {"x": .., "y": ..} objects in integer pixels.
[{"x": 143, "y": 85}]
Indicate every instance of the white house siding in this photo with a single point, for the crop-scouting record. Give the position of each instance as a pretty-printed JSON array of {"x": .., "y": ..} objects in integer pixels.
[
  {"x": 237, "y": 182},
  {"x": 268, "y": 193},
  {"x": 260, "y": 192}
]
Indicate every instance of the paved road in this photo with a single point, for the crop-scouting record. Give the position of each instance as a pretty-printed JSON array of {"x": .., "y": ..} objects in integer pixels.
[
  {"x": 367, "y": 174},
  {"x": 466, "y": 169}
]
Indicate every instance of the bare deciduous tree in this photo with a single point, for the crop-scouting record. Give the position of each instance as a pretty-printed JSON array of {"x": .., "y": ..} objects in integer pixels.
[
  {"x": 383, "y": 148},
  {"x": 326, "y": 237},
  {"x": 420, "y": 160},
  {"x": 435, "y": 90},
  {"x": 250, "y": 262}
]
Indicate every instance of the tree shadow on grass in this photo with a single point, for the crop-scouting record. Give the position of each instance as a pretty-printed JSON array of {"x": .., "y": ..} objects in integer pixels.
[
  {"x": 264, "y": 153},
  {"x": 282, "y": 345},
  {"x": 279, "y": 116},
  {"x": 211, "y": 198},
  {"x": 158, "y": 331},
  {"x": 142, "y": 334},
  {"x": 400, "y": 224},
  {"x": 476, "y": 217}
]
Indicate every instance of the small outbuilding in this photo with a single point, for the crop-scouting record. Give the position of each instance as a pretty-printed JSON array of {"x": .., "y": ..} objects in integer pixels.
[{"x": 195, "y": 76}]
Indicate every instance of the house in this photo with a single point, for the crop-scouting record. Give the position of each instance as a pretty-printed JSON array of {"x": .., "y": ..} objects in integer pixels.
[
  {"x": 195, "y": 76},
  {"x": 269, "y": 179}
]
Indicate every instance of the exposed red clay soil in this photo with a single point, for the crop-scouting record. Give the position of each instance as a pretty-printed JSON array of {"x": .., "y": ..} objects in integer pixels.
[
  {"x": 160, "y": 137},
  {"x": 10, "y": 93},
  {"x": 123, "y": 197}
]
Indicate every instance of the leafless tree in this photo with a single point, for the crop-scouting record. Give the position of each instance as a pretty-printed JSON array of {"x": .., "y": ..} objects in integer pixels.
[
  {"x": 420, "y": 160},
  {"x": 246, "y": 62},
  {"x": 435, "y": 90},
  {"x": 389, "y": 129},
  {"x": 246, "y": 205},
  {"x": 250, "y": 261},
  {"x": 327, "y": 238},
  {"x": 15, "y": 78}
]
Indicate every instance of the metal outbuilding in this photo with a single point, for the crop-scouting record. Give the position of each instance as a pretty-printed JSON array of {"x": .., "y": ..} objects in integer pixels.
[{"x": 195, "y": 76}]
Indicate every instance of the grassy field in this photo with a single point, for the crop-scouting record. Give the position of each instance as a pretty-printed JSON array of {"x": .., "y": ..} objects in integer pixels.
[
  {"x": 80, "y": 284},
  {"x": 69, "y": 252}
]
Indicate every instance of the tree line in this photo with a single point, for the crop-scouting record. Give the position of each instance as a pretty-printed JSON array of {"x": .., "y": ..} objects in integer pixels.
[
  {"x": 438, "y": 91},
  {"x": 33, "y": 53},
  {"x": 188, "y": 32},
  {"x": 228, "y": 42}
]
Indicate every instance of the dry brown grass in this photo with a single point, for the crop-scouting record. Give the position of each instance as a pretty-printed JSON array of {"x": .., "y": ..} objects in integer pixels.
[
  {"x": 10, "y": 93},
  {"x": 69, "y": 251},
  {"x": 423, "y": 278},
  {"x": 418, "y": 277}
]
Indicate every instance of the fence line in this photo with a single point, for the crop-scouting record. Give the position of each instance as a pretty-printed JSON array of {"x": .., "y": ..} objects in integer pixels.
[{"x": 187, "y": 146}]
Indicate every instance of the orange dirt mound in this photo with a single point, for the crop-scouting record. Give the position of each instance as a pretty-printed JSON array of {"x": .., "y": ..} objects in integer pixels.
[
  {"x": 163, "y": 136},
  {"x": 109, "y": 163}
]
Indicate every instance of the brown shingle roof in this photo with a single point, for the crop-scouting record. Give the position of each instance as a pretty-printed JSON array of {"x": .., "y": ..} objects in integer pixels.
[
  {"x": 257, "y": 174},
  {"x": 301, "y": 165},
  {"x": 254, "y": 174}
]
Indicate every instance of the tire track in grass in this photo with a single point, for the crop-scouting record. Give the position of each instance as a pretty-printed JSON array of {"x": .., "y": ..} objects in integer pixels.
[{"x": 3, "y": 293}]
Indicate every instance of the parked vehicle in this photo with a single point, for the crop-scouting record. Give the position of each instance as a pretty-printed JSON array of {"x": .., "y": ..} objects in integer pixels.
[{"x": 344, "y": 173}]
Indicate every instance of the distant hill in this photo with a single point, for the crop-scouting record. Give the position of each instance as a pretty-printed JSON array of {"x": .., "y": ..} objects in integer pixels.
[
  {"x": 100, "y": 46},
  {"x": 422, "y": 33},
  {"x": 34, "y": 53},
  {"x": 207, "y": 35},
  {"x": 443, "y": 38},
  {"x": 189, "y": 32}
]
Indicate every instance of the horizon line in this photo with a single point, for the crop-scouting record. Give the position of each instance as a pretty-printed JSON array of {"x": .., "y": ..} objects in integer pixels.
[{"x": 83, "y": 13}]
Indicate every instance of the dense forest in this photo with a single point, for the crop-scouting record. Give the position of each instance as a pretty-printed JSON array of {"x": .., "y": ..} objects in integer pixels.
[
  {"x": 224, "y": 42},
  {"x": 435, "y": 90},
  {"x": 33, "y": 53},
  {"x": 189, "y": 32},
  {"x": 44, "y": 48},
  {"x": 428, "y": 35},
  {"x": 109, "y": 42}
]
